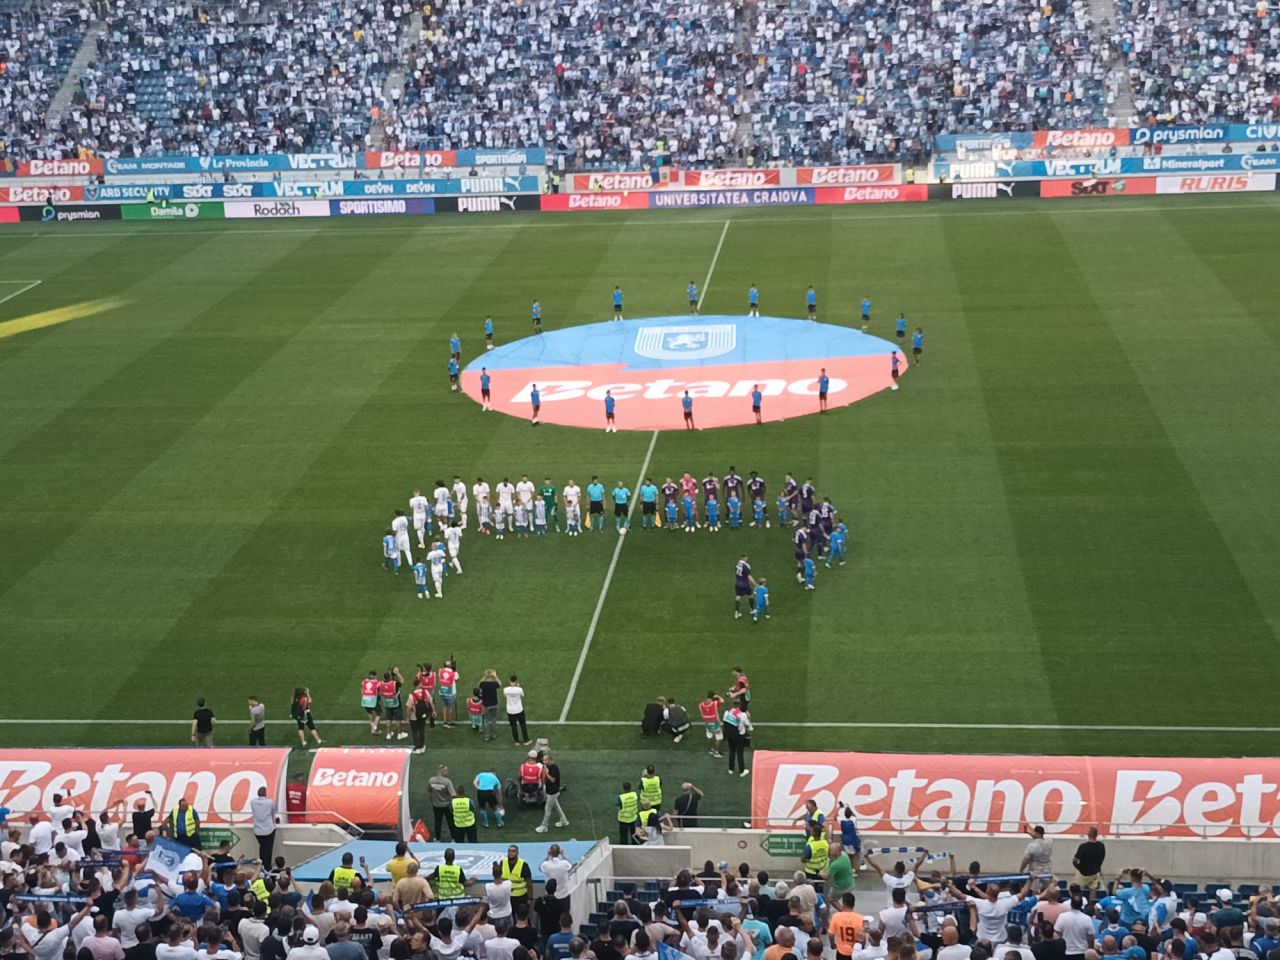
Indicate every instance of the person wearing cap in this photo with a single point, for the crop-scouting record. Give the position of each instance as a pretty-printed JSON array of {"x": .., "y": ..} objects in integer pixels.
[
  {"x": 1227, "y": 914},
  {"x": 309, "y": 947}
]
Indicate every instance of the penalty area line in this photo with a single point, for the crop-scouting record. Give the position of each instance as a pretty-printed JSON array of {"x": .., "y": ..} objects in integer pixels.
[{"x": 23, "y": 287}]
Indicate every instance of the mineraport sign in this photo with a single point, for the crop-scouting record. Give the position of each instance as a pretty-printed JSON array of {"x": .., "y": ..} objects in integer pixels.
[
  {"x": 930, "y": 793},
  {"x": 219, "y": 783}
]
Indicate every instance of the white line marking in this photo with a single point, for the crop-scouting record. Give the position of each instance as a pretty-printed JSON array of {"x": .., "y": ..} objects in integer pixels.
[
  {"x": 706, "y": 284},
  {"x": 617, "y": 547},
  {"x": 1028, "y": 207},
  {"x": 781, "y": 724},
  {"x": 604, "y": 592},
  {"x": 26, "y": 285}
]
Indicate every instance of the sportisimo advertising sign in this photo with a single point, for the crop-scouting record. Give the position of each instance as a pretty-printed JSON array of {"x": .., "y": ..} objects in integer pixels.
[
  {"x": 647, "y": 366},
  {"x": 365, "y": 208},
  {"x": 1125, "y": 796}
]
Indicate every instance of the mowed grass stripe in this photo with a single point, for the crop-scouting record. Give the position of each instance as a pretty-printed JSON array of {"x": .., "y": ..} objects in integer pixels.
[
  {"x": 44, "y": 372},
  {"x": 185, "y": 508},
  {"x": 1212, "y": 373},
  {"x": 103, "y": 398},
  {"x": 1116, "y": 547}
]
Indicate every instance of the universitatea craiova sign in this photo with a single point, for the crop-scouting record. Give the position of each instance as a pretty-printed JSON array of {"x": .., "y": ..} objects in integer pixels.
[{"x": 930, "y": 793}]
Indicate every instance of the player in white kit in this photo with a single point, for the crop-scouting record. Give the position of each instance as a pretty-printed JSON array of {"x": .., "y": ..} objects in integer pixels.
[
  {"x": 460, "y": 501},
  {"x": 441, "y": 496},
  {"x": 452, "y": 538},
  {"x": 436, "y": 558},
  {"x": 400, "y": 527},
  {"x": 525, "y": 491},
  {"x": 419, "y": 507},
  {"x": 506, "y": 503},
  {"x": 572, "y": 508}
]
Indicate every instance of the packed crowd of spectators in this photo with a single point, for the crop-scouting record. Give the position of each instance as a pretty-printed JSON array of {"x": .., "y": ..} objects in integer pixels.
[
  {"x": 844, "y": 83},
  {"x": 596, "y": 81},
  {"x": 709, "y": 82},
  {"x": 36, "y": 48},
  {"x": 1202, "y": 61},
  {"x": 180, "y": 78}
]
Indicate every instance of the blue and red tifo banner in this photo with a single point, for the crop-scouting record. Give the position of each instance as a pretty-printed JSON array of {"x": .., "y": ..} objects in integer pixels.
[{"x": 647, "y": 365}]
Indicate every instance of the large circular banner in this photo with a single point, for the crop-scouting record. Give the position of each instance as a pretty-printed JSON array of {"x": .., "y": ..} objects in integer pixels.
[{"x": 647, "y": 366}]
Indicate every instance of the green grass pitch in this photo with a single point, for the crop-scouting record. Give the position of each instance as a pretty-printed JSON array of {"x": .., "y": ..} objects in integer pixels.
[{"x": 1067, "y": 517}]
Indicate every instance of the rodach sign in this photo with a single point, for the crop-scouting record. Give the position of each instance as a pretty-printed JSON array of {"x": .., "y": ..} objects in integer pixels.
[{"x": 929, "y": 793}]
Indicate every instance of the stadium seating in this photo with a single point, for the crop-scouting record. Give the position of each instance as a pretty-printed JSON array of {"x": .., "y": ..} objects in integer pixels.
[
  {"x": 1202, "y": 62},
  {"x": 601, "y": 84},
  {"x": 36, "y": 48}
]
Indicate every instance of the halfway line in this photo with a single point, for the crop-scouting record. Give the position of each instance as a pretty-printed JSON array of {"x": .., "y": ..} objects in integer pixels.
[{"x": 604, "y": 591}]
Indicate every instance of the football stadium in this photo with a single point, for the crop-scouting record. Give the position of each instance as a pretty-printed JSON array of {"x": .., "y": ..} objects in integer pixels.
[{"x": 543, "y": 480}]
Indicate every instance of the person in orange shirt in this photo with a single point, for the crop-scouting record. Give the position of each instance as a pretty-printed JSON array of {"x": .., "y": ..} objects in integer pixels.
[{"x": 846, "y": 928}]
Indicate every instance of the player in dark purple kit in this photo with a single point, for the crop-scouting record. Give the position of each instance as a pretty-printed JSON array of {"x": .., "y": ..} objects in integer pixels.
[
  {"x": 801, "y": 539},
  {"x": 756, "y": 491},
  {"x": 710, "y": 489},
  {"x": 732, "y": 484},
  {"x": 744, "y": 585},
  {"x": 827, "y": 516},
  {"x": 791, "y": 493},
  {"x": 670, "y": 494},
  {"x": 817, "y": 537},
  {"x": 807, "y": 494}
]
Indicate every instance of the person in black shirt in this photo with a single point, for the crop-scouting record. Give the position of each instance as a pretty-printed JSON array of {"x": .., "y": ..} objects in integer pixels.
[
  {"x": 548, "y": 909},
  {"x": 1088, "y": 861},
  {"x": 522, "y": 931},
  {"x": 623, "y": 923},
  {"x": 274, "y": 946},
  {"x": 602, "y": 945},
  {"x": 143, "y": 814},
  {"x": 489, "y": 688},
  {"x": 687, "y": 805},
  {"x": 202, "y": 722},
  {"x": 145, "y": 948},
  {"x": 1045, "y": 945}
]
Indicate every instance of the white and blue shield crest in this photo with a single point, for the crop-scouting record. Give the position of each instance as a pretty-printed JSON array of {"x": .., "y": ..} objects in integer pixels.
[{"x": 695, "y": 341}]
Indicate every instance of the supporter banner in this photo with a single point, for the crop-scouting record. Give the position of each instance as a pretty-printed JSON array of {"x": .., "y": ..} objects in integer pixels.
[
  {"x": 63, "y": 213},
  {"x": 608, "y": 181},
  {"x": 1125, "y": 796},
  {"x": 530, "y": 156},
  {"x": 1232, "y": 183},
  {"x": 276, "y": 209},
  {"x": 848, "y": 176},
  {"x": 884, "y": 193},
  {"x": 362, "y": 785},
  {"x": 173, "y": 211},
  {"x": 596, "y": 201},
  {"x": 364, "y": 208},
  {"x": 983, "y": 190},
  {"x": 955, "y": 142},
  {"x": 731, "y": 179},
  {"x": 50, "y": 194},
  {"x": 1096, "y": 188},
  {"x": 60, "y": 168},
  {"x": 785, "y": 196},
  {"x": 219, "y": 782},
  {"x": 500, "y": 204}
]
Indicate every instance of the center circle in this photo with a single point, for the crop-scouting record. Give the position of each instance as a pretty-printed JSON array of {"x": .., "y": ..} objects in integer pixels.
[{"x": 647, "y": 365}]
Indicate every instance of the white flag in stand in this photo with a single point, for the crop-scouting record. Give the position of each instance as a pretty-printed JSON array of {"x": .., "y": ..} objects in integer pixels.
[{"x": 166, "y": 857}]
